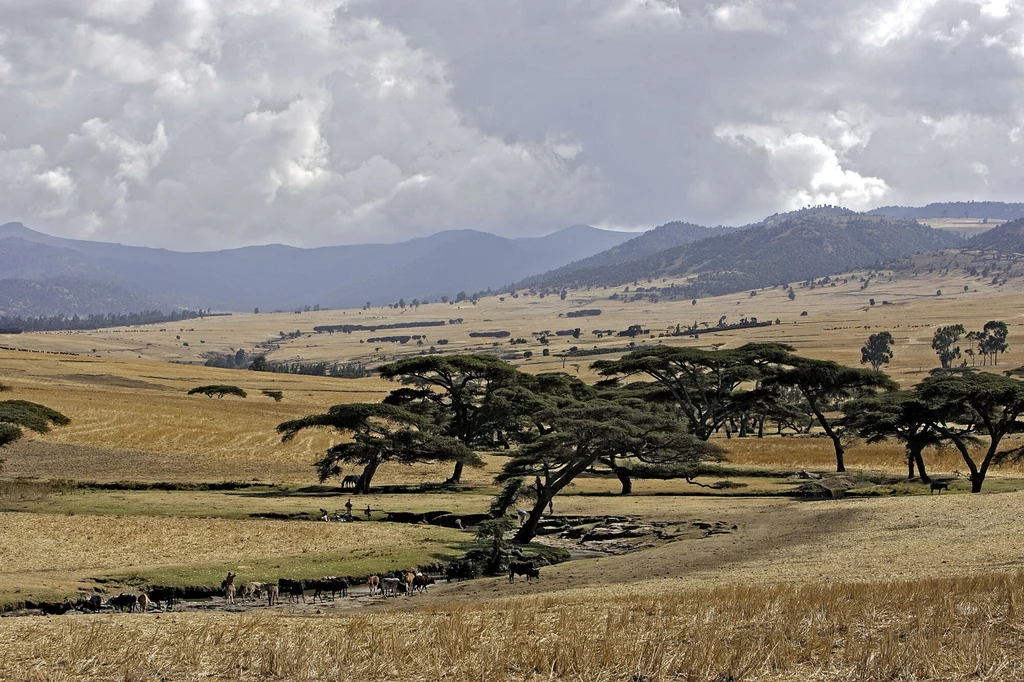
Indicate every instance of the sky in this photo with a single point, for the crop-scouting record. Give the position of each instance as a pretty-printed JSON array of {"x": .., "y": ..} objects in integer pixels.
[{"x": 204, "y": 124}]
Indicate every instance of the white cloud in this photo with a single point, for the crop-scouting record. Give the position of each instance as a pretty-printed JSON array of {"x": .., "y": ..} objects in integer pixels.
[
  {"x": 745, "y": 15},
  {"x": 805, "y": 170},
  {"x": 897, "y": 23}
]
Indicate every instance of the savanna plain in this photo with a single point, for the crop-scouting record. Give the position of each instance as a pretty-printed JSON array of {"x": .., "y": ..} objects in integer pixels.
[{"x": 148, "y": 485}]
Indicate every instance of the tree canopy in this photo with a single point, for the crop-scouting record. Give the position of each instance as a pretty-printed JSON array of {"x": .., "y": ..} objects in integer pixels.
[
  {"x": 219, "y": 390},
  {"x": 902, "y": 415},
  {"x": 378, "y": 433},
  {"x": 877, "y": 351},
  {"x": 16, "y": 415}
]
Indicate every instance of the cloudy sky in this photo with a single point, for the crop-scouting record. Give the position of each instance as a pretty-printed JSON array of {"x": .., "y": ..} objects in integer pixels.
[{"x": 198, "y": 124}]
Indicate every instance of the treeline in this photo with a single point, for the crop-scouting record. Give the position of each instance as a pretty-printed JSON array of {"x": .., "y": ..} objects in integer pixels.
[
  {"x": 349, "y": 328},
  {"x": 54, "y": 323},
  {"x": 653, "y": 415}
]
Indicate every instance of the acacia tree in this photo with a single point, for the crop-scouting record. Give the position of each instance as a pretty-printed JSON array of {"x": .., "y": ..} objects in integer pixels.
[
  {"x": 219, "y": 390},
  {"x": 824, "y": 384},
  {"x": 378, "y": 433},
  {"x": 703, "y": 383},
  {"x": 967, "y": 404},
  {"x": 16, "y": 415},
  {"x": 944, "y": 343},
  {"x": 877, "y": 351},
  {"x": 454, "y": 390},
  {"x": 902, "y": 415},
  {"x": 591, "y": 433}
]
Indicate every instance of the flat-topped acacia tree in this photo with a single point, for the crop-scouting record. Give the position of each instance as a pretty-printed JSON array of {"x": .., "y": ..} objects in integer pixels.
[
  {"x": 219, "y": 390},
  {"x": 378, "y": 433},
  {"x": 825, "y": 384},
  {"x": 703, "y": 383},
  {"x": 902, "y": 415},
  {"x": 968, "y": 403},
  {"x": 597, "y": 432},
  {"x": 455, "y": 390},
  {"x": 16, "y": 415}
]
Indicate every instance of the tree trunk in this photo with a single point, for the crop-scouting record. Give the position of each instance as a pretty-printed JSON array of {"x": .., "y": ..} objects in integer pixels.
[
  {"x": 364, "y": 479},
  {"x": 910, "y": 466},
  {"x": 976, "y": 478},
  {"x": 917, "y": 458},
  {"x": 625, "y": 480},
  {"x": 528, "y": 530},
  {"x": 456, "y": 476}
]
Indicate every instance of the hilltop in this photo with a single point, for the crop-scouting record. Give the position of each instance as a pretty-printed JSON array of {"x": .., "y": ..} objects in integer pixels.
[
  {"x": 1007, "y": 238},
  {"x": 993, "y": 210}
]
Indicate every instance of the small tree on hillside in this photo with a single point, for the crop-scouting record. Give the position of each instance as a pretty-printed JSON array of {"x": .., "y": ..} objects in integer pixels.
[
  {"x": 218, "y": 390},
  {"x": 944, "y": 343},
  {"x": 877, "y": 351},
  {"x": 378, "y": 433},
  {"x": 276, "y": 395}
]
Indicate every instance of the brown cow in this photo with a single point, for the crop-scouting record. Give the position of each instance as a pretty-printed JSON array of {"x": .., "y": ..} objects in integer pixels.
[
  {"x": 271, "y": 594},
  {"x": 229, "y": 587},
  {"x": 55, "y": 608},
  {"x": 408, "y": 580},
  {"x": 522, "y": 568},
  {"x": 373, "y": 582},
  {"x": 143, "y": 602},
  {"x": 421, "y": 581}
]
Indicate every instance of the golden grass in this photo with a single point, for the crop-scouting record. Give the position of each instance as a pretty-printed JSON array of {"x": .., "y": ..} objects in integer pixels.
[
  {"x": 937, "y": 629},
  {"x": 48, "y": 553}
]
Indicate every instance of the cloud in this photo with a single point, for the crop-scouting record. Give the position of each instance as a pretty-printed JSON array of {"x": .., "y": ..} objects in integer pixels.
[{"x": 204, "y": 124}]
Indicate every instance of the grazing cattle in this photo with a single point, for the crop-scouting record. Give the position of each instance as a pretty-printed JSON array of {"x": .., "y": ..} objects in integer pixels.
[
  {"x": 229, "y": 587},
  {"x": 271, "y": 594},
  {"x": 373, "y": 582},
  {"x": 293, "y": 588},
  {"x": 408, "y": 580},
  {"x": 167, "y": 595},
  {"x": 91, "y": 604},
  {"x": 330, "y": 584},
  {"x": 351, "y": 481},
  {"x": 143, "y": 602},
  {"x": 389, "y": 587},
  {"x": 522, "y": 568},
  {"x": 460, "y": 570},
  {"x": 324, "y": 515},
  {"x": 940, "y": 486},
  {"x": 123, "y": 601},
  {"x": 55, "y": 608},
  {"x": 250, "y": 591},
  {"x": 421, "y": 581}
]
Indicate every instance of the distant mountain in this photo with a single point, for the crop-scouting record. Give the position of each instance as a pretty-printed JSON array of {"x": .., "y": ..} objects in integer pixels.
[
  {"x": 1008, "y": 238},
  {"x": 994, "y": 210},
  {"x": 646, "y": 244},
  {"x": 283, "y": 277},
  {"x": 789, "y": 248},
  {"x": 68, "y": 296}
]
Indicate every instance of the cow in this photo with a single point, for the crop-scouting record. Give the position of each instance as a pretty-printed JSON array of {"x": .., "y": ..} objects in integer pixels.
[
  {"x": 460, "y": 570},
  {"x": 293, "y": 588},
  {"x": 522, "y": 568},
  {"x": 351, "y": 481},
  {"x": 91, "y": 604},
  {"x": 271, "y": 594},
  {"x": 250, "y": 591},
  {"x": 421, "y": 581},
  {"x": 123, "y": 601},
  {"x": 389, "y": 587},
  {"x": 167, "y": 595},
  {"x": 408, "y": 580},
  {"x": 373, "y": 582},
  {"x": 55, "y": 608},
  {"x": 229, "y": 587},
  {"x": 330, "y": 584},
  {"x": 940, "y": 486},
  {"x": 143, "y": 602}
]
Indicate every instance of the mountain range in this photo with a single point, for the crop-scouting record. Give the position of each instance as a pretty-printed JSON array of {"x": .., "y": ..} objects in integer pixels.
[{"x": 42, "y": 272}]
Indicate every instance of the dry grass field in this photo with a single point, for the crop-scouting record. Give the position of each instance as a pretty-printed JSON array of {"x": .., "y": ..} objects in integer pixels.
[{"x": 861, "y": 588}]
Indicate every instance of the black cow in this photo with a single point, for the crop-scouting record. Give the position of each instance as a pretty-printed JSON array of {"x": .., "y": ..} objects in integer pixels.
[
  {"x": 90, "y": 604},
  {"x": 293, "y": 588},
  {"x": 167, "y": 595},
  {"x": 522, "y": 568},
  {"x": 55, "y": 608},
  {"x": 123, "y": 601},
  {"x": 330, "y": 584}
]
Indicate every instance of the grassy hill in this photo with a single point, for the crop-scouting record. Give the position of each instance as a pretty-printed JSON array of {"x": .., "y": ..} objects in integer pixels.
[
  {"x": 1008, "y": 238},
  {"x": 786, "y": 249},
  {"x": 67, "y": 296}
]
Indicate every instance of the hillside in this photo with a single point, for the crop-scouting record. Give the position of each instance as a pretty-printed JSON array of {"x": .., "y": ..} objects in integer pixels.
[
  {"x": 659, "y": 239},
  {"x": 993, "y": 210},
  {"x": 789, "y": 250},
  {"x": 1008, "y": 238},
  {"x": 68, "y": 296},
  {"x": 284, "y": 277}
]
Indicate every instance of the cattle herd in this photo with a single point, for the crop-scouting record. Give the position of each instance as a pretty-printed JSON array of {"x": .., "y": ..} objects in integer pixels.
[{"x": 394, "y": 584}]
